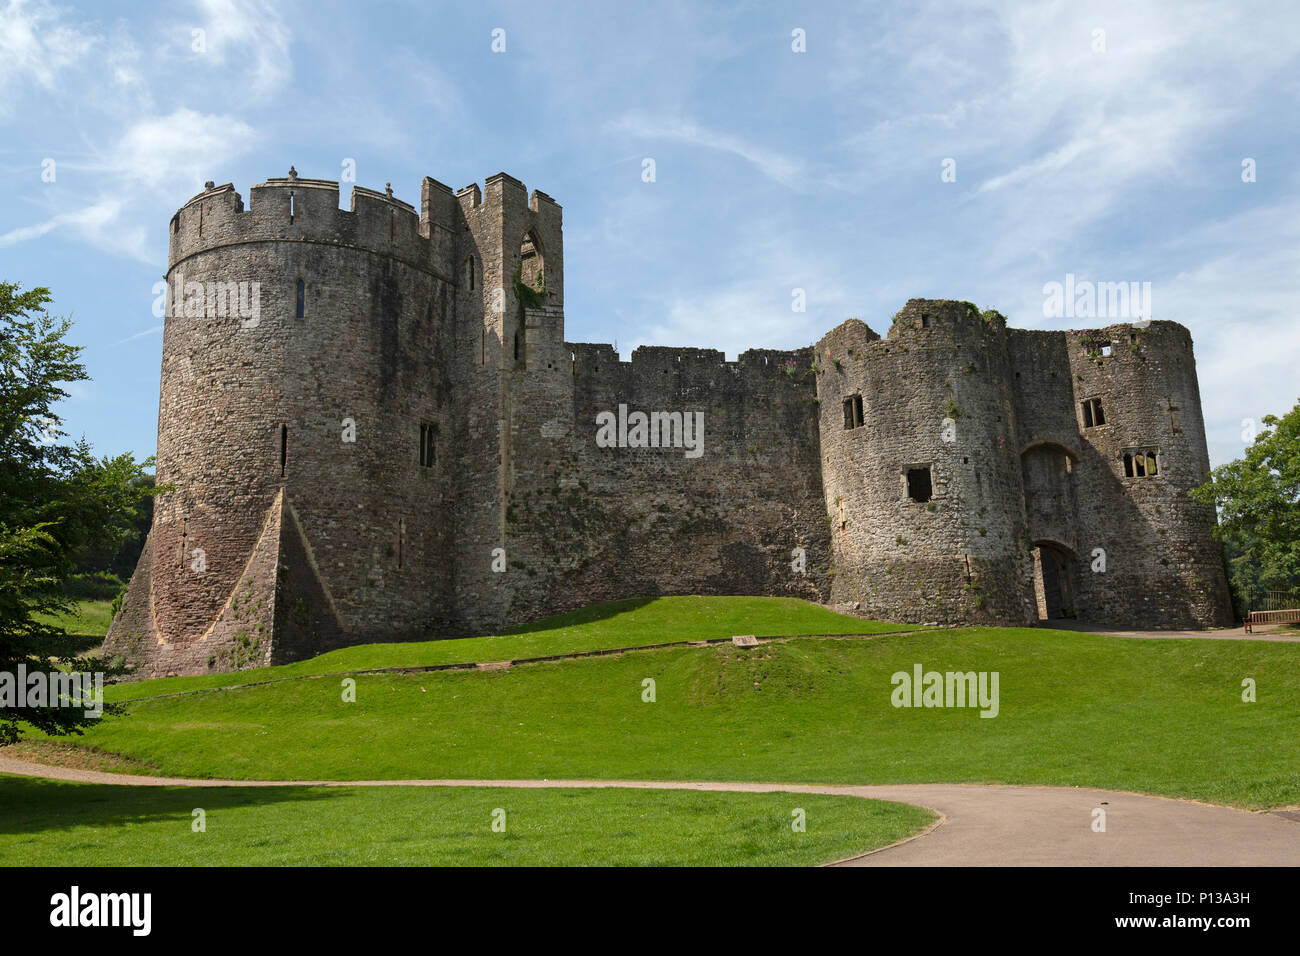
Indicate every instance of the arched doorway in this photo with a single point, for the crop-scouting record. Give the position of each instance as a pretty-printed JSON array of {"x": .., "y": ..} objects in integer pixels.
[{"x": 1055, "y": 574}]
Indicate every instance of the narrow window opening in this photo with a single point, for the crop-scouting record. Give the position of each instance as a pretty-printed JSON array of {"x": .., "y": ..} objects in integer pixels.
[
  {"x": 1140, "y": 466},
  {"x": 482, "y": 354},
  {"x": 518, "y": 345},
  {"x": 1128, "y": 465},
  {"x": 185, "y": 531},
  {"x": 428, "y": 444},
  {"x": 401, "y": 541},
  {"x": 284, "y": 448},
  {"x": 853, "y": 411},
  {"x": 291, "y": 207},
  {"x": 1152, "y": 470},
  {"x": 925, "y": 321},
  {"x": 301, "y": 307},
  {"x": 200, "y": 219},
  {"x": 918, "y": 484},
  {"x": 1092, "y": 413}
]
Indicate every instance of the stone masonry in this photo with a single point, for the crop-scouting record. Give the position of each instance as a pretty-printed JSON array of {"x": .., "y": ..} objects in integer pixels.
[{"x": 374, "y": 431}]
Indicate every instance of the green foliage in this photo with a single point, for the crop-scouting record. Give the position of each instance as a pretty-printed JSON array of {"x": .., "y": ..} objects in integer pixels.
[
  {"x": 56, "y": 500},
  {"x": 529, "y": 297},
  {"x": 1258, "y": 498},
  {"x": 93, "y": 585}
]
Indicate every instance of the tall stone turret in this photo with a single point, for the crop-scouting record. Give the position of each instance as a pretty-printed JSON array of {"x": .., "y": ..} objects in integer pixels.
[
  {"x": 921, "y": 469},
  {"x": 305, "y": 349}
]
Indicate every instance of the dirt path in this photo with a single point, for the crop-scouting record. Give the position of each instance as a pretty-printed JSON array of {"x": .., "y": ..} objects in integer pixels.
[{"x": 979, "y": 826}]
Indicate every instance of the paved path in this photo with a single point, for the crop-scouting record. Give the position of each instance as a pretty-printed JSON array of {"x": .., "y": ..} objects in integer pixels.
[
  {"x": 1262, "y": 632},
  {"x": 979, "y": 826}
]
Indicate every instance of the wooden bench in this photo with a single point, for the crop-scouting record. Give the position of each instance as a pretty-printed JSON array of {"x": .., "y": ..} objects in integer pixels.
[{"x": 1291, "y": 616}]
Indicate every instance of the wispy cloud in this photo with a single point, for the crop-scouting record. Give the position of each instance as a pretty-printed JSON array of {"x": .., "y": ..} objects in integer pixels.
[
  {"x": 250, "y": 34},
  {"x": 37, "y": 43},
  {"x": 139, "y": 335},
  {"x": 784, "y": 169}
]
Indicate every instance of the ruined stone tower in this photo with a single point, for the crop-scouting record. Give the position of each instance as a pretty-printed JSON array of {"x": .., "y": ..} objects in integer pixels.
[{"x": 375, "y": 430}]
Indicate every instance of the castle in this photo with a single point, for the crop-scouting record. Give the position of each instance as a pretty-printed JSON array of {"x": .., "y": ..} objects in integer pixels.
[{"x": 374, "y": 430}]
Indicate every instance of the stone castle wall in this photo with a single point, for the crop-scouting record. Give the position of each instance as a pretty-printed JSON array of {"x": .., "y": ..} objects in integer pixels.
[{"x": 293, "y": 443}]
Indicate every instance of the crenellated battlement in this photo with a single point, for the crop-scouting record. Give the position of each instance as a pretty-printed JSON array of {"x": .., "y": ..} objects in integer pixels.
[
  {"x": 294, "y": 209},
  {"x": 681, "y": 368}
]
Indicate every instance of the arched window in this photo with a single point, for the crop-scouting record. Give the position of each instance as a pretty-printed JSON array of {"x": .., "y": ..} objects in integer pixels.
[{"x": 532, "y": 264}]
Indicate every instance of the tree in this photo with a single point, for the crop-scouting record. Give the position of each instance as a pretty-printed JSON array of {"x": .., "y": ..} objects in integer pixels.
[
  {"x": 56, "y": 501},
  {"x": 1258, "y": 498}
]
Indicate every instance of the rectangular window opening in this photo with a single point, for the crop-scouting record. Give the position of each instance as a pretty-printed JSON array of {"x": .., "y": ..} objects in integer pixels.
[
  {"x": 853, "y": 411},
  {"x": 1092, "y": 413},
  {"x": 919, "y": 487},
  {"x": 284, "y": 448},
  {"x": 428, "y": 444},
  {"x": 301, "y": 307},
  {"x": 1142, "y": 463}
]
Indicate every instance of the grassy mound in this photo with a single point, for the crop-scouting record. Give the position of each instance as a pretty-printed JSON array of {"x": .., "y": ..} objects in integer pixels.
[
  {"x": 1156, "y": 716},
  {"x": 598, "y": 627}
]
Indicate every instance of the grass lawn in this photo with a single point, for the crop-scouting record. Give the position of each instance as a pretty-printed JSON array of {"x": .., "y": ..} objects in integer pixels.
[
  {"x": 598, "y": 627},
  {"x": 49, "y": 823},
  {"x": 1155, "y": 716},
  {"x": 91, "y": 619}
]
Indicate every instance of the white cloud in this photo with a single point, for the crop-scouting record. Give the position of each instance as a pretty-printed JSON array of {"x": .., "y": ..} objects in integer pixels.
[
  {"x": 157, "y": 155},
  {"x": 37, "y": 44},
  {"x": 251, "y": 35},
  {"x": 181, "y": 148}
]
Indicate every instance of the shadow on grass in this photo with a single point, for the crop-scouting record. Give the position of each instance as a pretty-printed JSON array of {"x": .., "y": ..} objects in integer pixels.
[
  {"x": 586, "y": 615},
  {"x": 35, "y": 805}
]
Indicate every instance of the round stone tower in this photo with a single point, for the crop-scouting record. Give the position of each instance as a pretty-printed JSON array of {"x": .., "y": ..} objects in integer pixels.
[
  {"x": 920, "y": 467},
  {"x": 301, "y": 344}
]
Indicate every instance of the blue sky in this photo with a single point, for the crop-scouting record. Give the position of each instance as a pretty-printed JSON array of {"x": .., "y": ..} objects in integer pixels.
[{"x": 1118, "y": 160}]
